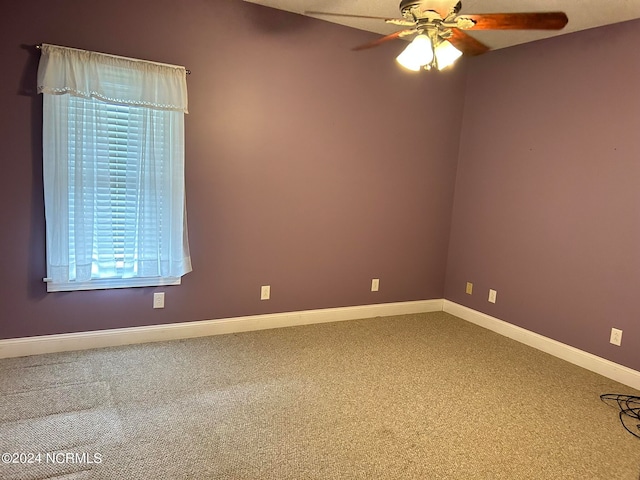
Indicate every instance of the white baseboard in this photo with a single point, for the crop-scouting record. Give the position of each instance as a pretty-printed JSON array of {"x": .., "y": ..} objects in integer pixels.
[
  {"x": 21, "y": 347},
  {"x": 614, "y": 371}
]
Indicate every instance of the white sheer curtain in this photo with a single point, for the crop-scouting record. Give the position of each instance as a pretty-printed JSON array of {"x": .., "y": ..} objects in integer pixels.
[{"x": 113, "y": 163}]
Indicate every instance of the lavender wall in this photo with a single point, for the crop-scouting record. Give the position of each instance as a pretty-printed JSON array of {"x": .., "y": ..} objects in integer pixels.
[
  {"x": 310, "y": 168},
  {"x": 547, "y": 203}
]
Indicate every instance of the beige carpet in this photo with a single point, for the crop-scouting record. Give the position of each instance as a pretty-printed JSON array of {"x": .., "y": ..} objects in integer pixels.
[{"x": 423, "y": 396}]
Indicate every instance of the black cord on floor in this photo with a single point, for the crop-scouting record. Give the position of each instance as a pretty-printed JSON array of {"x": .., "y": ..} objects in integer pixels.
[{"x": 629, "y": 410}]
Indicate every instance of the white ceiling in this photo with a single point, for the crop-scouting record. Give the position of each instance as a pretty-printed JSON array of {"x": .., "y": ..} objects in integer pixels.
[{"x": 583, "y": 14}]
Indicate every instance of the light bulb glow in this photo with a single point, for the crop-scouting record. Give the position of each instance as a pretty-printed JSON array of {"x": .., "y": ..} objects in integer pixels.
[
  {"x": 417, "y": 54},
  {"x": 446, "y": 54}
]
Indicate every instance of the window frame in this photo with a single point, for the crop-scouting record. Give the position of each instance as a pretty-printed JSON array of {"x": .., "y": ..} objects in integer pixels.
[{"x": 138, "y": 267}]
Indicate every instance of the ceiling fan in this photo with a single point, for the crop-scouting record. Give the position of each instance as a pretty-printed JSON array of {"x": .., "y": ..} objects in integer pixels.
[{"x": 439, "y": 37}]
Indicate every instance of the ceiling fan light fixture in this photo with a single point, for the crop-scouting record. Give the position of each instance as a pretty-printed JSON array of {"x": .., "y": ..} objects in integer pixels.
[
  {"x": 446, "y": 54},
  {"x": 437, "y": 20},
  {"x": 417, "y": 54}
]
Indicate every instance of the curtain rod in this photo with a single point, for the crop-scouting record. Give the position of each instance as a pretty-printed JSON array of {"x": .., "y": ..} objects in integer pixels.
[{"x": 188, "y": 72}]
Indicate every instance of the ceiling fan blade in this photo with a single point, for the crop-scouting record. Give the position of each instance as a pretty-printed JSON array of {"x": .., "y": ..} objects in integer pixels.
[
  {"x": 517, "y": 21},
  {"x": 393, "y": 36},
  {"x": 329, "y": 14},
  {"x": 466, "y": 43}
]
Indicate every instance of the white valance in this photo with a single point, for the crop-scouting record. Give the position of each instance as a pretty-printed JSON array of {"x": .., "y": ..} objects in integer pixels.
[{"x": 88, "y": 74}]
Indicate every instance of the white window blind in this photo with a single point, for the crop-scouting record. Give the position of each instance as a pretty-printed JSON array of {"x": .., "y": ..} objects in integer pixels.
[{"x": 113, "y": 171}]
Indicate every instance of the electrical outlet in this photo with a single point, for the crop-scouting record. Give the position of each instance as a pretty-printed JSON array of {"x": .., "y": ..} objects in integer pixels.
[
  {"x": 492, "y": 295},
  {"x": 375, "y": 284},
  {"x": 616, "y": 336},
  {"x": 158, "y": 300},
  {"x": 265, "y": 292},
  {"x": 469, "y": 289}
]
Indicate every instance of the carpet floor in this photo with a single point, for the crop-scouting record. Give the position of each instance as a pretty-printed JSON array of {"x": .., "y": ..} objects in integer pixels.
[{"x": 425, "y": 396}]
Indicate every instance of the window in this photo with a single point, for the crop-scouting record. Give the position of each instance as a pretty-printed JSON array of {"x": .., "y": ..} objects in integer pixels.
[{"x": 113, "y": 165}]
